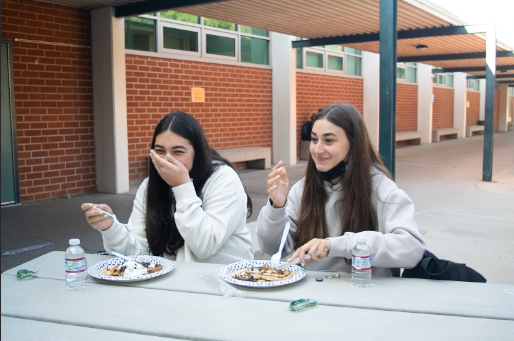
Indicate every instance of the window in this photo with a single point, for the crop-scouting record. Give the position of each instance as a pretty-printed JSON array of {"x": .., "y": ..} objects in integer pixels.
[
  {"x": 330, "y": 59},
  {"x": 406, "y": 72},
  {"x": 511, "y": 91},
  {"x": 180, "y": 17},
  {"x": 177, "y": 39},
  {"x": 474, "y": 84},
  {"x": 190, "y": 35},
  {"x": 313, "y": 59},
  {"x": 140, "y": 34},
  {"x": 335, "y": 62},
  {"x": 254, "y": 50},
  {"x": 443, "y": 79},
  {"x": 220, "y": 45}
]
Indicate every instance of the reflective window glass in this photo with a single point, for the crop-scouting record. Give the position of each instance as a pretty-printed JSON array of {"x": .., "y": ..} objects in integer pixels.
[
  {"x": 219, "y": 45},
  {"x": 335, "y": 48},
  {"x": 335, "y": 63},
  {"x": 255, "y": 31},
  {"x": 140, "y": 34},
  {"x": 219, "y": 24},
  {"x": 400, "y": 73},
  {"x": 354, "y": 51},
  {"x": 254, "y": 50},
  {"x": 449, "y": 81},
  {"x": 313, "y": 59},
  {"x": 299, "y": 61},
  {"x": 180, "y": 16},
  {"x": 411, "y": 74},
  {"x": 179, "y": 39},
  {"x": 353, "y": 65}
]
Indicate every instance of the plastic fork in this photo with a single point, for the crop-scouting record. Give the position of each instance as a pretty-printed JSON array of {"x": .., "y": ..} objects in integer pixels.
[
  {"x": 113, "y": 216},
  {"x": 275, "y": 259}
]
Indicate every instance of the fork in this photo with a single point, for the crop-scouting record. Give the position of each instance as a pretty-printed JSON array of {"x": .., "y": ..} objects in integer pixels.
[
  {"x": 275, "y": 259},
  {"x": 112, "y": 215}
]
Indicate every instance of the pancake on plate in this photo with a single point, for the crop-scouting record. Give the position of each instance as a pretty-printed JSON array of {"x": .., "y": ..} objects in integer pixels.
[
  {"x": 131, "y": 269},
  {"x": 261, "y": 274}
]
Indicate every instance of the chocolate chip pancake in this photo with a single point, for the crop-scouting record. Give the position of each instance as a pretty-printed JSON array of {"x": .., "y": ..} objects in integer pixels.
[{"x": 261, "y": 274}]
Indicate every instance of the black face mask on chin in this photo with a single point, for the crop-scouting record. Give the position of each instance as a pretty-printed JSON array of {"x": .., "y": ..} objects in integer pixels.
[{"x": 332, "y": 174}]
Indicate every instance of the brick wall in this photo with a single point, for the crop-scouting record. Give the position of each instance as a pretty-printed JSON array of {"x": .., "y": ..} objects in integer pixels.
[
  {"x": 317, "y": 91},
  {"x": 473, "y": 111},
  {"x": 442, "y": 116},
  {"x": 406, "y": 107},
  {"x": 53, "y": 98},
  {"x": 236, "y": 112}
]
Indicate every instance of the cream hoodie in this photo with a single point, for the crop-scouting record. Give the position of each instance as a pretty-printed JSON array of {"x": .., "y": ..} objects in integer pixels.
[
  {"x": 214, "y": 229},
  {"x": 396, "y": 244}
]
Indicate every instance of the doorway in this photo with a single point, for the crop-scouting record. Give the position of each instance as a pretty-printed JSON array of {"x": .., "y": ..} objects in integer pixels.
[{"x": 10, "y": 182}]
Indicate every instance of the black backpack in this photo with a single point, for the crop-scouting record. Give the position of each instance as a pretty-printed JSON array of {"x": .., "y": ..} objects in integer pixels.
[{"x": 431, "y": 267}]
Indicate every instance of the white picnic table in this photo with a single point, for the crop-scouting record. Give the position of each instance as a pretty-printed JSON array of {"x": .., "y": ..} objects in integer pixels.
[{"x": 186, "y": 304}]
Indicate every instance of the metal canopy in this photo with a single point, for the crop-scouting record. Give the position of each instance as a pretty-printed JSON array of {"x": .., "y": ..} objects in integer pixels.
[{"x": 357, "y": 24}]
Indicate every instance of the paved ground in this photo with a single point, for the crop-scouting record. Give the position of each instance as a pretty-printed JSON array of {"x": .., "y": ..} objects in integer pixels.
[{"x": 462, "y": 218}]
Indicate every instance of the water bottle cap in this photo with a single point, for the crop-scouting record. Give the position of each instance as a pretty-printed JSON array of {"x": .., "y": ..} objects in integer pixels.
[
  {"x": 361, "y": 238},
  {"x": 75, "y": 241}
]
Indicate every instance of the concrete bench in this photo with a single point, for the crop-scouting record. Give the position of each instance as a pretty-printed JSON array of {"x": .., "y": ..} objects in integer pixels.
[
  {"x": 451, "y": 133},
  {"x": 471, "y": 129},
  {"x": 255, "y": 157},
  {"x": 412, "y": 137}
]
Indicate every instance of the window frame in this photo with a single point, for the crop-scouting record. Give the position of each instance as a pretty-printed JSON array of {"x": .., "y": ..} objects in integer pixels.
[
  {"x": 445, "y": 85},
  {"x": 325, "y": 52},
  {"x": 190, "y": 28},
  {"x": 215, "y": 32},
  {"x": 202, "y": 54}
]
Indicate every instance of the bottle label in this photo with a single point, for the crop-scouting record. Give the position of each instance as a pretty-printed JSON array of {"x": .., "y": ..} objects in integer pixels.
[
  {"x": 361, "y": 263},
  {"x": 75, "y": 265}
]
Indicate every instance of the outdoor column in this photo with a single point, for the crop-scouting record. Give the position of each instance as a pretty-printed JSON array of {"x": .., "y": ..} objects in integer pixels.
[
  {"x": 502, "y": 107},
  {"x": 388, "y": 44},
  {"x": 283, "y": 62},
  {"x": 370, "y": 73},
  {"x": 459, "y": 102},
  {"x": 481, "y": 115},
  {"x": 109, "y": 101},
  {"x": 424, "y": 77}
]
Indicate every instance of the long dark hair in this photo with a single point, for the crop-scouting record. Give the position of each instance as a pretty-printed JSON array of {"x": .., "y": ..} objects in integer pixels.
[
  {"x": 161, "y": 231},
  {"x": 355, "y": 207}
]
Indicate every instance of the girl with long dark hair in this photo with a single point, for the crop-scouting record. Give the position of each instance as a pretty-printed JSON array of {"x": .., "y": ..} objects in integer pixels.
[
  {"x": 192, "y": 206},
  {"x": 346, "y": 191}
]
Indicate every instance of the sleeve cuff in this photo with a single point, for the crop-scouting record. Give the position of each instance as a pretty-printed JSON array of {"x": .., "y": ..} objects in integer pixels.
[
  {"x": 339, "y": 247},
  {"x": 114, "y": 234},
  {"x": 184, "y": 191},
  {"x": 274, "y": 213}
]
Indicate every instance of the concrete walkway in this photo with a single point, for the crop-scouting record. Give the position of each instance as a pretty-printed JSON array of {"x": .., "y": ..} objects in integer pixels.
[{"x": 462, "y": 218}]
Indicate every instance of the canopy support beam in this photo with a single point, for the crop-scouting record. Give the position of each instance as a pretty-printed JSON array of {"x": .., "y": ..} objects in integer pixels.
[{"x": 388, "y": 45}]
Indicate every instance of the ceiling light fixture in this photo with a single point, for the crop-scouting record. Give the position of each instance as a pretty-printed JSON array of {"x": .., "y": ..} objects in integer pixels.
[{"x": 421, "y": 47}]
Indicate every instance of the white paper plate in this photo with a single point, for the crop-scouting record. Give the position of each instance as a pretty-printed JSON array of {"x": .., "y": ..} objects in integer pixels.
[
  {"x": 94, "y": 271},
  {"x": 225, "y": 272}
]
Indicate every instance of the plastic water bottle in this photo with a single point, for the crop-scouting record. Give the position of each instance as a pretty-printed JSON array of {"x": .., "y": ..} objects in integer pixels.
[
  {"x": 75, "y": 266},
  {"x": 361, "y": 263}
]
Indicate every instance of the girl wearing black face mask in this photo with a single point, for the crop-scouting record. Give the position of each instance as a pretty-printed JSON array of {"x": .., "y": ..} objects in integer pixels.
[{"x": 346, "y": 191}]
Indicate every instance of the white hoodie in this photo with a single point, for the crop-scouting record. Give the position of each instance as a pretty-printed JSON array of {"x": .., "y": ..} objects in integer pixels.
[
  {"x": 396, "y": 244},
  {"x": 214, "y": 229}
]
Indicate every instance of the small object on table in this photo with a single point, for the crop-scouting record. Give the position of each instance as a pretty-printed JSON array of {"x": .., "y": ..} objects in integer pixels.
[
  {"x": 319, "y": 279},
  {"x": 330, "y": 276},
  {"x": 337, "y": 276},
  {"x": 302, "y": 304},
  {"x": 25, "y": 273},
  {"x": 349, "y": 281}
]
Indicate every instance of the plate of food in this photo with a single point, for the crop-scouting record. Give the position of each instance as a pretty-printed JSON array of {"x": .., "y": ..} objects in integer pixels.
[
  {"x": 142, "y": 267},
  {"x": 260, "y": 274}
]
